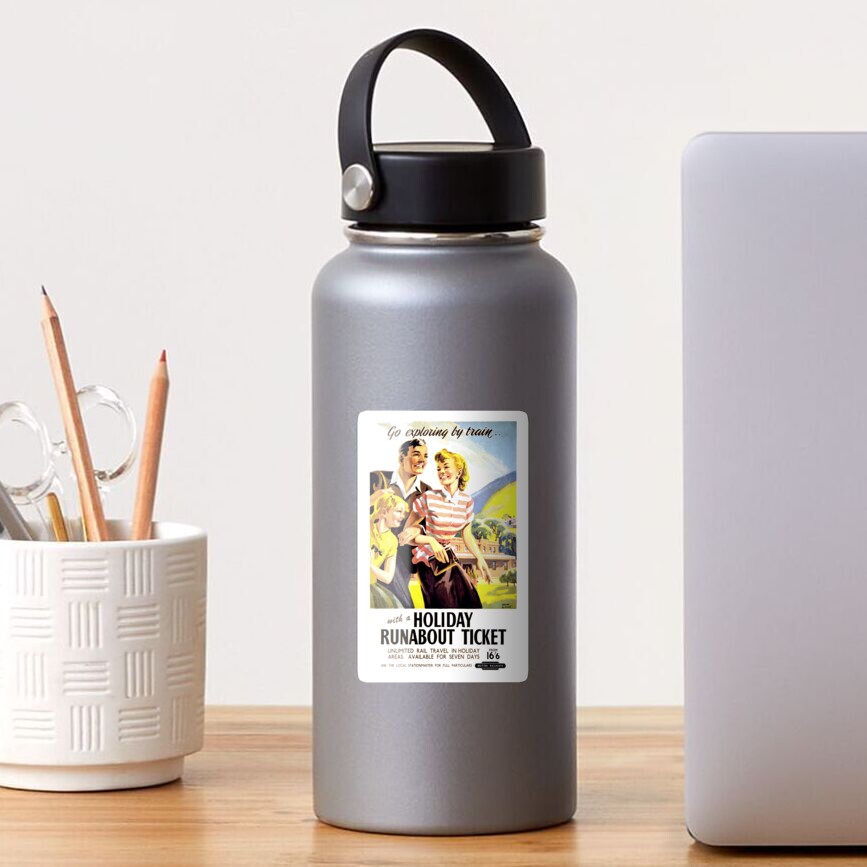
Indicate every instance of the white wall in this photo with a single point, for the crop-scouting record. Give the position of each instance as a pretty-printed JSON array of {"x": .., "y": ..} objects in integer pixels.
[{"x": 169, "y": 171}]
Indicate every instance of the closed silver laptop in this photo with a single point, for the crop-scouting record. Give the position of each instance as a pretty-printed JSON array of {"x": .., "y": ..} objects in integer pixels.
[{"x": 775, "y": 500}]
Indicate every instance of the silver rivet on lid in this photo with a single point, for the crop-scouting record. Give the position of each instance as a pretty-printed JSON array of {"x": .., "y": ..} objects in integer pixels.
[{"x": 357, "y": 187}]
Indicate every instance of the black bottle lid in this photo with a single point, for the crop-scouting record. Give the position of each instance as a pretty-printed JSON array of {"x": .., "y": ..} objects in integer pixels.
[{"x": 439, "y": 185}]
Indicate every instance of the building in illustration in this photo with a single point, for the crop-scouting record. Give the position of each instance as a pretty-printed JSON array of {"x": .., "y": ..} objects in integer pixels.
[{"x": 496, "y": 560}]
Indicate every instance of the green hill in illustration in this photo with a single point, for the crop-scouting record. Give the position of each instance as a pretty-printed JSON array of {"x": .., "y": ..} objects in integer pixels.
[
  {"x": 496, "y": 506},
  {"x": 502, "y": 503},
  {"x": 497, "y": 498}
]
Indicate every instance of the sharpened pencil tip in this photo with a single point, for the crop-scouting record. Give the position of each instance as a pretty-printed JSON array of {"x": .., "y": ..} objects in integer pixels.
[
  {"x": 43, "y": 291},
  {"x": 163, "y": 356}
]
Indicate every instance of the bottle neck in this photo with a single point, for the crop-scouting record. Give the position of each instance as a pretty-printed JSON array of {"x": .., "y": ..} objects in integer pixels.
[{"x": 417, "y": 238}]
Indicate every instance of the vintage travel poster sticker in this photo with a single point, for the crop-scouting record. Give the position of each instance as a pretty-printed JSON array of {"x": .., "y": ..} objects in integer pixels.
[{"x": 443, "y": 587}]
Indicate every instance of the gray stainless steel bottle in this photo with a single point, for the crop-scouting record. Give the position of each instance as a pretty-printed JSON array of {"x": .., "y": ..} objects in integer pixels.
[{"x": 444, "y": 452}]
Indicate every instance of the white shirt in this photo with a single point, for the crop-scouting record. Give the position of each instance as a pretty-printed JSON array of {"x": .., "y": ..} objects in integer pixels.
[{"x": 405, "y": 492}]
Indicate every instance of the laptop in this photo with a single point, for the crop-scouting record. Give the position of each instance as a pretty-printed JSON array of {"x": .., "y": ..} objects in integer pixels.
[{"x": 775, "y": 488}]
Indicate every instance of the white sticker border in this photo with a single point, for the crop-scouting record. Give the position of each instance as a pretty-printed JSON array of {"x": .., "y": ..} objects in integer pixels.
[{"x": 370, "y": 620}]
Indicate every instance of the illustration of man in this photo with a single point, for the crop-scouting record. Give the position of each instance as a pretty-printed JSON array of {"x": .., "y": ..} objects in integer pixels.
[{"x": 406, "y": 482}]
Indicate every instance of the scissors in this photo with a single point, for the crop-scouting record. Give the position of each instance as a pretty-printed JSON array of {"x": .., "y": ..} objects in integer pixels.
[{"x": 55, "y": 452}]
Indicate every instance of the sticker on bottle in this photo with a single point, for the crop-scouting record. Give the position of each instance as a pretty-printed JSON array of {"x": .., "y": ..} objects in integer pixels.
[{"x": 443, "y": 586}]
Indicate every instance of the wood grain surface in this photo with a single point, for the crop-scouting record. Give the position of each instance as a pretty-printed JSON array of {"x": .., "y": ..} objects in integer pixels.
[{"x": 246, "y": 799}]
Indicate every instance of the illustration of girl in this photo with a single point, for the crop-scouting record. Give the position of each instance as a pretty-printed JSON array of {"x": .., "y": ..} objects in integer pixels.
[
  {"x": 389, "y": 510},
  {"x": 446, "y": 512}
]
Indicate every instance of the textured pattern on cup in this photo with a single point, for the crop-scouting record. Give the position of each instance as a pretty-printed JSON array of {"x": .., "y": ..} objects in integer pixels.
[{"x": 102, "y": 652}]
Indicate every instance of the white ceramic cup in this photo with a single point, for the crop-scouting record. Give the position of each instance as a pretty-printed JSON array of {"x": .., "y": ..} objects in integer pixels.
[{"x": 102, "y": 659}]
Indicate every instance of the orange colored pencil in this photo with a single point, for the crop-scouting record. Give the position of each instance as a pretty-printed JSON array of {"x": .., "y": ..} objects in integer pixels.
[
  {"x": 142, "y": 521},
  {"x": 92, "y": 514}
]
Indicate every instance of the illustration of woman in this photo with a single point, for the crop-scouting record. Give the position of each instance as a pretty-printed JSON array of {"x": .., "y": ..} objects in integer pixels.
[
  {"x": 389, "y": 510},
  {"x": 446, "y": 513}
]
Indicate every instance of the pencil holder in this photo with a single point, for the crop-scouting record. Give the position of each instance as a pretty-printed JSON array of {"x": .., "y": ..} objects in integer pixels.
[{"x": 102, "y": 660}]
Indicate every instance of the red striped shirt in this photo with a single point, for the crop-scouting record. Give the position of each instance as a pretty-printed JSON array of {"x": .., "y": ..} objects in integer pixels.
[{"x": 445, "y": 515}]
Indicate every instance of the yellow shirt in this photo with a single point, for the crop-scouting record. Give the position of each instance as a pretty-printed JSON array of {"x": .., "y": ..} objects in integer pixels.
[{"x": 383, "y": 546}]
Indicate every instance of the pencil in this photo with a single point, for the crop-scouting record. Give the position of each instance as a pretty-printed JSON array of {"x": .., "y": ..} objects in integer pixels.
[
  {"x": 142, "y": 521},
  {"x": 92, "y": 515},
  {"x": 55, "y": 512}
]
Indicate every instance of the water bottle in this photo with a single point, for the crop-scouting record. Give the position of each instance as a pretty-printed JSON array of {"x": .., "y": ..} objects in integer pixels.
[{"x": 444, "y": 455}]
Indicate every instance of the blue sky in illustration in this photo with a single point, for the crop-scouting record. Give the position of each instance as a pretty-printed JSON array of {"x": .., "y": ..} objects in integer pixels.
[{"x": 488, "y": 457}]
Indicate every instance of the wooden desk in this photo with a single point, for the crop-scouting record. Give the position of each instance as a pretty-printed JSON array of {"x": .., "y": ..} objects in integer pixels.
[{"x": 246, "y": 800}]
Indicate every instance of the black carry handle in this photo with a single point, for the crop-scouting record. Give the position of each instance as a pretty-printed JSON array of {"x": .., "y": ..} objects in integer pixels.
[{"x": 477, "y": 76}]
